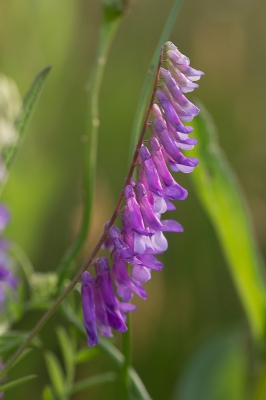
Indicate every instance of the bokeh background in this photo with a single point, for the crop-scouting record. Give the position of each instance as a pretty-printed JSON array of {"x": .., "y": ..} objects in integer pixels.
[{"x": 193, "y": 299}]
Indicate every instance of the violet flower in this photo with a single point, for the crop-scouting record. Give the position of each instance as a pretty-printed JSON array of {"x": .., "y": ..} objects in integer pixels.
[
  {"x": 142, "y": 234},
  {"x": 8, "y": 281}
]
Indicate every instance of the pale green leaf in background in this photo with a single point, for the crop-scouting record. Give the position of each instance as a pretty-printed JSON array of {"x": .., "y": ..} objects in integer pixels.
[
  {"x": 216, "y": 371},
  {"x": 222, "y": 198},
  {"x": 93, "y": 381},
  {"x": 56, "y": 374},
  {"x": 47, "y": 393},
  {"x": 25, "y": 114},
  {"x": 68, "y": 351},
  {"x": 17, "y": 382}
]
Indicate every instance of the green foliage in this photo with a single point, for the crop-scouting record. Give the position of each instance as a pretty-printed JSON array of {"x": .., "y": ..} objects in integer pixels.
[
  {"x": 26, "y": 112},
  {"x": 56, "y": 374},
  {"x": 10, "y": 385},
  {"x": 86, "y": 354},
  {"x": 216, "y": 371},
  {"x": 93, "y": 381},
  {"x": 223, "y": 200},
  {"x": 11, "y": 339},
  {"x": 47, "y": 393},
  {"x": 68, "y": 350}
]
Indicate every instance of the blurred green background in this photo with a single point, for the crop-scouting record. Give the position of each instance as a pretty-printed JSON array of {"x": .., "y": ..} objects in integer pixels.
[{"x": 193, "y": 298}]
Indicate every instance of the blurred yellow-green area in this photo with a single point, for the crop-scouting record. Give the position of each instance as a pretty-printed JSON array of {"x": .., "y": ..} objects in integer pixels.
[{"x": 193, "y": 298}]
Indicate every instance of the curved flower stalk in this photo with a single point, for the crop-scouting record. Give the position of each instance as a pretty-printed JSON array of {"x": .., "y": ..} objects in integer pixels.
[{"x": 142, "y": 234}]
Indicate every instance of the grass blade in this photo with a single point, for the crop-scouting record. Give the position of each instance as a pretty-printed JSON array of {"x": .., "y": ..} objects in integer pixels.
[
  {"x": 222, "y": 198},
  {"x": 25, "y": 114},
  {"x": 17, "y": 382}
]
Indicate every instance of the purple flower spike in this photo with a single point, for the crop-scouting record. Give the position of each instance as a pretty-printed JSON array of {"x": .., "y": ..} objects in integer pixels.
[
  {"x": 136, "y": 222},
  {"x": 170, "y": 113},
  {"x": 104, "y": 282},
  {"x": 172, "y": 189},
  {"x": 88, "y": 307},
  {"x": 4, "y": 217},
  {"x": 147, "y": 198}
]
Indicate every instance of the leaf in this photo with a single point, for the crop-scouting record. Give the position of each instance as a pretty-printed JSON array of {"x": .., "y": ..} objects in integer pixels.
[
  {"x": 55, "y": 373},
  {"x": 93, "y": 381},
  {"x": 26, "y": 112},
  {"x": 68, "y": 352},
  {"x": 22, "y": 356},
  {"x": 10, "y": 344},
  {"x": 87, "y": 354},
  {"x": 216, "y": 371},
  {"x": 219, "y": 192},
  {"x": 47, "y": 393},
  {"x": 17, "y": 382}
]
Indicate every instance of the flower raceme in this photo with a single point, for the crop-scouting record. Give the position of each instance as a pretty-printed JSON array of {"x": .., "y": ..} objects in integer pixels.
[{"x": 142, "y": 234}]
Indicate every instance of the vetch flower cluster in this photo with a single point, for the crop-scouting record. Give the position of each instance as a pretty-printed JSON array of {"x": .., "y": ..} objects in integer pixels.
[{"x": 147, "y": 198}]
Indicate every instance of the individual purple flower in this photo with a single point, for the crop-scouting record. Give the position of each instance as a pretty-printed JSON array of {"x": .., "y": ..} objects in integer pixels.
[
  {"x": 136, "y": 222},
  {"x": 149, "y": 217},
  {"x": 124, "y": 283},
  {"x": 171, "y": 149},
  {"x": 171, "y": 188},
  {"x": 105, "y": 285},
  {"x": 88, "y": 307},
  {"x": 171, "y": 114}
]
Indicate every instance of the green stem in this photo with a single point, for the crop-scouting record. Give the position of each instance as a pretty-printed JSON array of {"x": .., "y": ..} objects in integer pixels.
[
  {"x": 127, "y": 361},
  {"x": 107, "y": 32},
  {"x": 113, "y": 353}
]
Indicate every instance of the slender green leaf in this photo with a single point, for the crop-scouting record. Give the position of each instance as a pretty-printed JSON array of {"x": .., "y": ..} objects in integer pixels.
[
  {"x": 223, "y": 200},
  {"x": 93, "y": 381},
  {"x": 112, "y": 352},
  {"x": 118, "y": 359},
  {"x": 17, "y": 382},
  {"x": 55, "y": 373},
  {"x": 22, "y": 356},
  {"x": 87, "y": 354},
  {"x": 145, "y": 92},
  {"x": 216, "y": 371},
  {"x": 10, "y": 344},
  {"x": 68, "y": 352},
  {"x": 25, "y": 114},
  {"x": 47, "y": 393}
]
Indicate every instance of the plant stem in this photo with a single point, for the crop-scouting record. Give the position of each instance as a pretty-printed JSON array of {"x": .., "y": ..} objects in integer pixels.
[
  {"x": 126, "y": 337},
  {"x": 85, "y": 266},
  {"x": 107, "y": 32}
]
